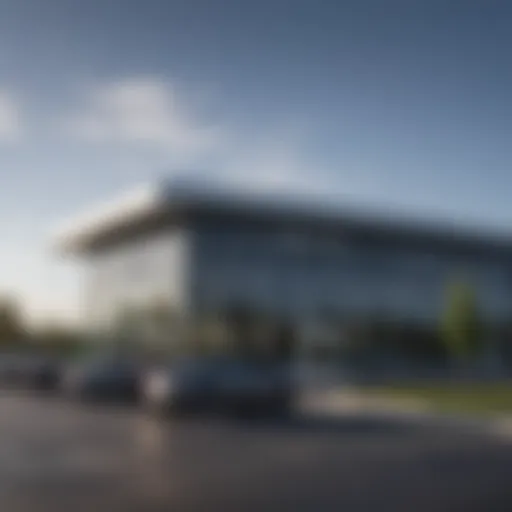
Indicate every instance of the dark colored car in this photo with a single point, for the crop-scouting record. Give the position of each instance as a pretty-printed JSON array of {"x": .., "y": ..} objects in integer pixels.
[
  {"x": 29, "y": 371},
  {"x": 43, "y": 373},
  {"x": 226, "y": 385},
  {"x": 11, "y": 369},
  {"x": 108, "y": 378}
]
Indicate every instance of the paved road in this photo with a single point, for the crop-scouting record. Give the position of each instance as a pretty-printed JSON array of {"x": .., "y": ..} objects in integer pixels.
[{"x": 64, "y": 457}]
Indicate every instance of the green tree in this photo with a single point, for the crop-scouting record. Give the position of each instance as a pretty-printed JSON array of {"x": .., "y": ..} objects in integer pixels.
[
  {"x": 60, "y": 340},
  {"x": 161, "y": 323},
  {"x": 462, "y": 327},
  {"x": 11, "y": 326},
  {"x": 126, "y": 326},
  {"x": 241, "y": 319}
]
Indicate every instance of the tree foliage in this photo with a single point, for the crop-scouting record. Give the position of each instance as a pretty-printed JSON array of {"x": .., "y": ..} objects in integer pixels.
[
  {"x": 11, "y": 325},
  {"x": 60, "y": 340},
  {"x": 462, "y": 326},
  {"x": 161, "y": 322}
]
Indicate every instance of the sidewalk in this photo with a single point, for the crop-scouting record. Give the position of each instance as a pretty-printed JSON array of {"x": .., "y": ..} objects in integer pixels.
[{"x": 352, "y": 401}]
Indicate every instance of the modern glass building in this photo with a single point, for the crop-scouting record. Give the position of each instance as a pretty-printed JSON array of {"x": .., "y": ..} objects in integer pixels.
[{"x": 201, "y": 253}]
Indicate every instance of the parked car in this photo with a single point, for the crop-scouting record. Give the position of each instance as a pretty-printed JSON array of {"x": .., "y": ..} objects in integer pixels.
[
  {"x": 29, "y": 371},
  {"x": 102, "y": 378},
  {"x": 43, "y": 373},
  {"x": 10, "y": 369},
  {"x": 226, "y": 385}
]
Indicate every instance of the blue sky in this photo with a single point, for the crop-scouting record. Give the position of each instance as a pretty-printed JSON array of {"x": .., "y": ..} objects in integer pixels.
[{"x": 402, "y": 104}]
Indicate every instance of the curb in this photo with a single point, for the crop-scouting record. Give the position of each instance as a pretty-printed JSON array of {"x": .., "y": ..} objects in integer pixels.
[{"x": 351, "y": 402}]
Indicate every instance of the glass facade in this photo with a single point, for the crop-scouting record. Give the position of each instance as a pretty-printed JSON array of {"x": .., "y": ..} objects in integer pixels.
[
  {"x": 303, "y": 273},
  {"x": 307, "y": 277}
]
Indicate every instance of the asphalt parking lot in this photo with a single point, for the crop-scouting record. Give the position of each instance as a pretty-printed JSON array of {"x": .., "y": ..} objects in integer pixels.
[{"x": 57, "y": 456}]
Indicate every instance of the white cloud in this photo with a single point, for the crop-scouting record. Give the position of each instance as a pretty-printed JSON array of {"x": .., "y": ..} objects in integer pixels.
[
  {"x": 10, "y": 118},
  {"x": 145, "y": 111}
]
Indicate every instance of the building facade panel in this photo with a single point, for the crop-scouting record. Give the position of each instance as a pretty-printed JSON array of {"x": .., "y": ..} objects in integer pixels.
[
  {"x": 133, "y": 276},
  {"x": 305, "y": 273}
]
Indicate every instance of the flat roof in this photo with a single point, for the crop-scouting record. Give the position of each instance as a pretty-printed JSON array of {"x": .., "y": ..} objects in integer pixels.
[{"x": 167, "y": 199}]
